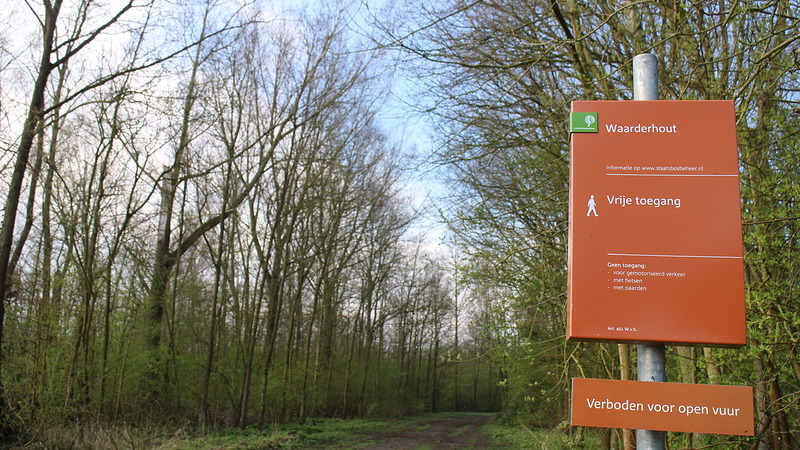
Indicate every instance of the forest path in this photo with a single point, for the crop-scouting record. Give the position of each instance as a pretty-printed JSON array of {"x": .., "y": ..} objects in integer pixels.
[{"x": 462, "y": 431}]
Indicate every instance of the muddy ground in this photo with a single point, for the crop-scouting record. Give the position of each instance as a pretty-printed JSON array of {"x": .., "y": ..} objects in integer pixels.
[{"x": 449, "y": 432}]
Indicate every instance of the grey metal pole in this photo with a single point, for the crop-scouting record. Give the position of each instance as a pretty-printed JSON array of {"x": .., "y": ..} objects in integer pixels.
[
  {"x": 645, "y": 77},
  {"x": 651, "y": 359}
]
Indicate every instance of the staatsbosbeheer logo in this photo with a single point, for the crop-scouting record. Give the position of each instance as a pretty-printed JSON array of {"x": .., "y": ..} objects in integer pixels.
[{"x": 583, "y": 123}]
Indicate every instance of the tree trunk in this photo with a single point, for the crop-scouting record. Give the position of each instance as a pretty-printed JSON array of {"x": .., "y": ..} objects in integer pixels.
[
  {"x": 628, "y": 435},
  {"x": 164, "y": 261},
  {"x": 29, "y": 131},
  {"x": 212, "y": 329}
]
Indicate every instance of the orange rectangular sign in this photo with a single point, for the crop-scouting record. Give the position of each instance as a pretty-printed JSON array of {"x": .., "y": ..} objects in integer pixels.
[
  {"x": 645, "y": 405},
  {"x": 655, "y": 237}
]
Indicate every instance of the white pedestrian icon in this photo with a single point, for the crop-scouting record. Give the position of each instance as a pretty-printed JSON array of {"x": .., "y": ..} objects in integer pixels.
[{"x": 592, "y": 207}]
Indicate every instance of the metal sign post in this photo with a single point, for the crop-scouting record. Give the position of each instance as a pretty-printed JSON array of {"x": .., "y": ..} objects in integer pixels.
[
  {"x": 654, "y": 239},
  {"x": 651, "y": 359}
]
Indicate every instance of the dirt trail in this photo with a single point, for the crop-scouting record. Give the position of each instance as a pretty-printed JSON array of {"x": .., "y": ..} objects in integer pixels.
[{"x": 452, "y": 431}]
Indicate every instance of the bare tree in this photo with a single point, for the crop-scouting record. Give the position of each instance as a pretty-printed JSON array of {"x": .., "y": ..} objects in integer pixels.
[{"x": 53, "y": 55}]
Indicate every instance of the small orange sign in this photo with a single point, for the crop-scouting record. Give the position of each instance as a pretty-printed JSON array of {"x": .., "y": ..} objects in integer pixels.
[
  {"x": 644, "y": 405},
  {"x": 655, "y": 238}
]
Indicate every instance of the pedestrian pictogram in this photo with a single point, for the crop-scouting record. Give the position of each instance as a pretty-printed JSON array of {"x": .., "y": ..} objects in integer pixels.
[{"x": 592, "y": 206}]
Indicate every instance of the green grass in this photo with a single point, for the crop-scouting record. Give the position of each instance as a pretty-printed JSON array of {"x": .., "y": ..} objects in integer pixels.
[
  {"x": 522, "y": 437},
  {"x": 357, "y": 433},
  {"x": 314, "y": 433},
  {"x": 460, "y": 431}
]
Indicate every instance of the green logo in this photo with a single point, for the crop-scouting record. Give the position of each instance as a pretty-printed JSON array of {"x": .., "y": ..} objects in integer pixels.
[{"x": 583, "y": 123}]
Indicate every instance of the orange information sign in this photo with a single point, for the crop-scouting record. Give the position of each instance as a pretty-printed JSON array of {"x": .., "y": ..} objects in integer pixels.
[
  {"x": 645, "y": 405},
  {"x": 655, "y": 238}
]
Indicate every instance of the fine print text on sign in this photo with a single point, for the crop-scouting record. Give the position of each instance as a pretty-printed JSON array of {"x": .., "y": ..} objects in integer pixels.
[
  {"x": 655, "y": 251},
  {"x": 692, "y": 408}
]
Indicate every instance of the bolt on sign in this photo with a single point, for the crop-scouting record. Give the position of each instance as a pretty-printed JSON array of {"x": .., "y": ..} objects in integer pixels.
[
  {"x": 655, "y": 235},
  {"x": 644, "y": 405}
]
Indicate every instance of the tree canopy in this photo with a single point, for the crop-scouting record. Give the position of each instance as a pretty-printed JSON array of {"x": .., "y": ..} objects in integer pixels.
[
  {"x": 499, "y": 76},
  {"x": 207, "y": 217}
]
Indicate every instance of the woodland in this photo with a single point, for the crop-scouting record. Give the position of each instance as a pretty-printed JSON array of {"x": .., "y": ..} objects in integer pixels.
[{"x": 209, "y": 219}]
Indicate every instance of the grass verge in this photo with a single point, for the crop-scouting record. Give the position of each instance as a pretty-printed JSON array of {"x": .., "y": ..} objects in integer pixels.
[{"x": 314, "y": 433}]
